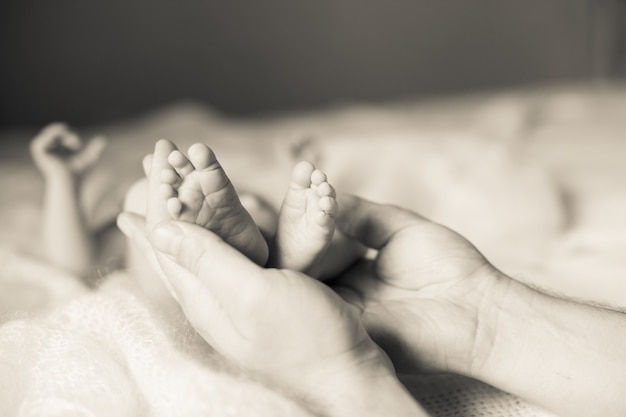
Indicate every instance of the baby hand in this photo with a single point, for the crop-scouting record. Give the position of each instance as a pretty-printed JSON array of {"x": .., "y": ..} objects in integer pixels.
[{"x": 57, "y": 150}]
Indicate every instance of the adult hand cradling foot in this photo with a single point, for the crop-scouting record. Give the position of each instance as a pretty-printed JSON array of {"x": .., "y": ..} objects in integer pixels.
[
  {"x": 293, "y": 330},
  {"x": 429, "y": 299},
  {"x": 433, "y": 302},
  {"x": 425, "y": 282},
  {"x": 282, "y": 324}
]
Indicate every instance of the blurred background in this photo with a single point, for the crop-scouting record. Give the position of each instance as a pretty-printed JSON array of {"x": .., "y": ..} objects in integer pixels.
[{"x": 92, "y": 62}]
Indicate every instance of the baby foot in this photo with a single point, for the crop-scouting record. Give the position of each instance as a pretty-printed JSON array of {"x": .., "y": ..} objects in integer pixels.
[
  {"x": 306, "y": 221},
  {"x": 198, "y": 191}
]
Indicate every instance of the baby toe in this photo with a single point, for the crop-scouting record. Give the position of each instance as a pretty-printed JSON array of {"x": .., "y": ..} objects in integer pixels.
[
  {"x": 324, "y": 220},
  {"x": 318, "y": 177},
  {"x": 174, "y": 206},
  {"x": 328, "y": 205},
  {"x": 325, "y": 189},
  {"x": 169, "y": 176},
  {"x": 180, "y": 163},
  {"x": 201, "y": 156},
  {"x": 301, "y": 175}
]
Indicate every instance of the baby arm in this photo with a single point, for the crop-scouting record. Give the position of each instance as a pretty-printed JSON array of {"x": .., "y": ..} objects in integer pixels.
[{"x": 62, "y": 159}]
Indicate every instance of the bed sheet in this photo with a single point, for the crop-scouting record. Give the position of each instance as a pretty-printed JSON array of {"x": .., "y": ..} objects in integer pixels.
[{"x": 536, "y": 178}]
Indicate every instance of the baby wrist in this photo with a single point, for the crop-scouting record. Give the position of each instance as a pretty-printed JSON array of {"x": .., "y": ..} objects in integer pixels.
[{"x": 61, "y": 176}]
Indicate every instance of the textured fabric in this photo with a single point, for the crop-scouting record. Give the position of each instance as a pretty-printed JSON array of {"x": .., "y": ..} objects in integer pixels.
[
  {"x": 108, "y": 354},
  {"x": 455, "y": 396}
]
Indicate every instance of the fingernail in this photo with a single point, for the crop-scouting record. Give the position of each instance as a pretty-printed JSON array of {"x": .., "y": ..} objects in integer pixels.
[{"x": 166, "y": 238}]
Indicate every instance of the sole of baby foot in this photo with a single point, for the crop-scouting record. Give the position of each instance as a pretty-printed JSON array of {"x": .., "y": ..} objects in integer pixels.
[
  {"x": 306, "y": 222},
  {"x": 198, "y": 191}
]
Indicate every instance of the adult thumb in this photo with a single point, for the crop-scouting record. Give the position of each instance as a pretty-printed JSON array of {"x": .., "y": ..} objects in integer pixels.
[
  {"x": 370, "y": 223},
  {"x": 213, "y": 262}
]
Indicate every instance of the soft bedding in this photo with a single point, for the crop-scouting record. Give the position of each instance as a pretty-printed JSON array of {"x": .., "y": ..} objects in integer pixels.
[{"x": 535, "y": 178}]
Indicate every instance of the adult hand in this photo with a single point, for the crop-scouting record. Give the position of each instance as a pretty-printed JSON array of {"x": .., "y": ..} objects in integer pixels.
[
  {"x": 431, "y": 300},
  {"x": 421, "y": 296},
  {"x": 291, "y": 329}
]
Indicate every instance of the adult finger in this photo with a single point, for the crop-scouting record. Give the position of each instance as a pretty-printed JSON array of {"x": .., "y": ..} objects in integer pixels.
[
  {"x": 133, "y": 226},
  {"x": 370, "y": 223},
  {"x": 200, "y": 305}
]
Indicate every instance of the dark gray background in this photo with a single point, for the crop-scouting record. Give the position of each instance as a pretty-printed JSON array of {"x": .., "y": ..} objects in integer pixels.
[{"x": 94, "y": 61}]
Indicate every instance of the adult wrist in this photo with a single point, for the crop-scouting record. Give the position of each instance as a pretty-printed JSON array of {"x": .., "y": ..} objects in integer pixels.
[
  {"x": 557, "y": 353},
  {"x": 495, "y": 288}
]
